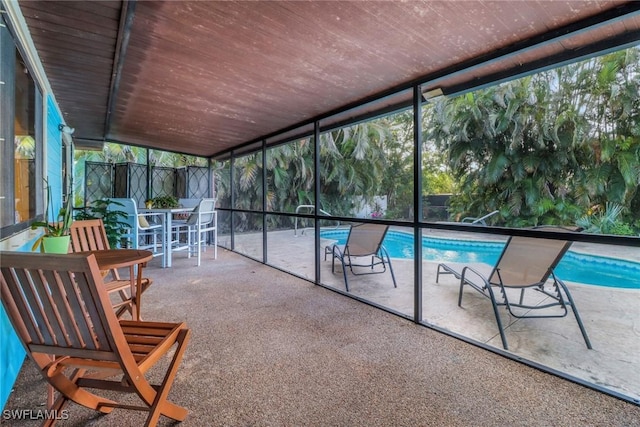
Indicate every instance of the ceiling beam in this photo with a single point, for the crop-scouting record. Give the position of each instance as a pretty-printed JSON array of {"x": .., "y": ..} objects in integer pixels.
[{"x": 127, "y": 14}]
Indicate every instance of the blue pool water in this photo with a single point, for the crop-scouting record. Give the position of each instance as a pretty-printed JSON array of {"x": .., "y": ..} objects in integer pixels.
[{"x": 575, "y": 267}]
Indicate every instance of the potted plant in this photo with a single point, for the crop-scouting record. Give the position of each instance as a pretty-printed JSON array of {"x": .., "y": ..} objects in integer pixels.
[
  {"x": 56, "y": 231},
  {"x": 165, "y": 202}
]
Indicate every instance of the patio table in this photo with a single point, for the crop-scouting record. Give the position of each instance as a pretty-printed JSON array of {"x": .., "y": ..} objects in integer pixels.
[{"x": 167, "y": 218}]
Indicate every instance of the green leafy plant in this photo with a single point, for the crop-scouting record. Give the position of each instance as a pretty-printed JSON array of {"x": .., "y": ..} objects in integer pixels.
[
  {"x": 165, "y": 202},
  {"x": 111, "y": 218},
  {"x": 605, "y": 221},
  {"x": 58, "y": 225}
]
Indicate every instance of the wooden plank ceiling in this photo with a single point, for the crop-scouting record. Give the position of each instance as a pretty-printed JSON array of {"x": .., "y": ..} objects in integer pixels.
[{"x": 203, "y": 77}]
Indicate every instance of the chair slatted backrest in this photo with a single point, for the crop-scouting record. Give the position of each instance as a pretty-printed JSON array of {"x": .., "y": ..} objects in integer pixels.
[
  {"x": 57, "y": 305},
  {"x": 365, "y": 239},
  {"x": 205, "y": 208},
  {"x": 88, "y": 235},
  {"x": 526, "y": 261}
]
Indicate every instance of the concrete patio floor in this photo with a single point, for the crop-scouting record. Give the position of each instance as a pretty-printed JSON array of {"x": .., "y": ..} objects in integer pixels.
[
  {"x": 611, "y": 315},
  {"x": 270, "y": 349}
]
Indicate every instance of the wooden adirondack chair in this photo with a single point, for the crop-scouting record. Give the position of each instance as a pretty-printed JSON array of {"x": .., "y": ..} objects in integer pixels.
[
  {"x": 90, "y": 235},
  {"x": 63, "y": 317}
]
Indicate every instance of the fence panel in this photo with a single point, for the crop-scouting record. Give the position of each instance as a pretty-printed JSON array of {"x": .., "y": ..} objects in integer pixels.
[
  {"x": 98, "y": 181},
  {"x": 197, "y": 182},
  {"x": 163, "y": 181},
  {"x": 130, "y": 180}
]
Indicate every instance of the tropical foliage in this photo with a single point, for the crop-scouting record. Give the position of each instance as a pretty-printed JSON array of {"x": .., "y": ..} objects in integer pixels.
[
  {"x": 605, "y": 221},
  {"x": 353, "y": 161},
  {"x": 112, "y": 218},
  {"x": 352, "y": 164},
  {"x": 548, "y": 147},
  {"x": 290, "y": 176}
]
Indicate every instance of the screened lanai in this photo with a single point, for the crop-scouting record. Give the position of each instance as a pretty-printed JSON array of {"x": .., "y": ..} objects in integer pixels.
[{"x": 317, "y": 116}]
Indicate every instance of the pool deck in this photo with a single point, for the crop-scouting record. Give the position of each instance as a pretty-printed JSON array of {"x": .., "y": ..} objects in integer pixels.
[{"x": 611, "y": 315}]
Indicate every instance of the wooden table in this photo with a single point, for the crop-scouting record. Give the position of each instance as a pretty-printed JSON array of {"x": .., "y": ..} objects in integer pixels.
[{"x": 110, "y": 259}]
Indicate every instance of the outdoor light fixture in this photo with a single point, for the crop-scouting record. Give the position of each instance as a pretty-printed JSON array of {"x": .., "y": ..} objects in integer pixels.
[
  {"x": 66, "y": 133},
  {"x": 66, "y": 129},
  {"x": 433, "y": 94}
]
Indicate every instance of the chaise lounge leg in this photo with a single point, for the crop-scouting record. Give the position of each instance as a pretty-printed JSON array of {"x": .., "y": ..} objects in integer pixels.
[{"x": 587, "y": 341}]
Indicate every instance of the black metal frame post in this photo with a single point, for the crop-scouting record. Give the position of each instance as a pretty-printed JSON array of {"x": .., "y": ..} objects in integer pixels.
[
  {"x": 316, "y": 195},
  {"x": 149, "y": 177},
  {"x": 417, "y": 203},
  {"x": 264, "y": 201},
  {"x": 232, "y": 199}
]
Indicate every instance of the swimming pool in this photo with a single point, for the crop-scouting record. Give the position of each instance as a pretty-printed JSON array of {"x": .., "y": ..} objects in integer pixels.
[{"x": 574, "y": 267}]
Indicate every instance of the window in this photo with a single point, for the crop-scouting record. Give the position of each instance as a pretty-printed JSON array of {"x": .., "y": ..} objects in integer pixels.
[
  {"x": 21, "y": 139},
  {"x": 24, "y": 144}
]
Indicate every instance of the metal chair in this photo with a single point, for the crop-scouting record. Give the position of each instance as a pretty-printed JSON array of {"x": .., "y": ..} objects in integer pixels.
[
  {"x": 146, "y": 230},
  {"x": 202, "y": 221}
]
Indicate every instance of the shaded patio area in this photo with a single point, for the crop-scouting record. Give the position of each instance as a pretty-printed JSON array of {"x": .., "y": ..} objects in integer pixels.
[
  {"x": 269, "y": 348},
  {"x": 272, "y": 349},
  {"x": 610, "y": 315}
]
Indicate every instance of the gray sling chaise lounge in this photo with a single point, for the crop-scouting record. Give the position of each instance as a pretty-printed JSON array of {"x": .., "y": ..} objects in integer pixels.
[
  {"x": 525, "y": 263},
  {"x": 364, "y": 242}
]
